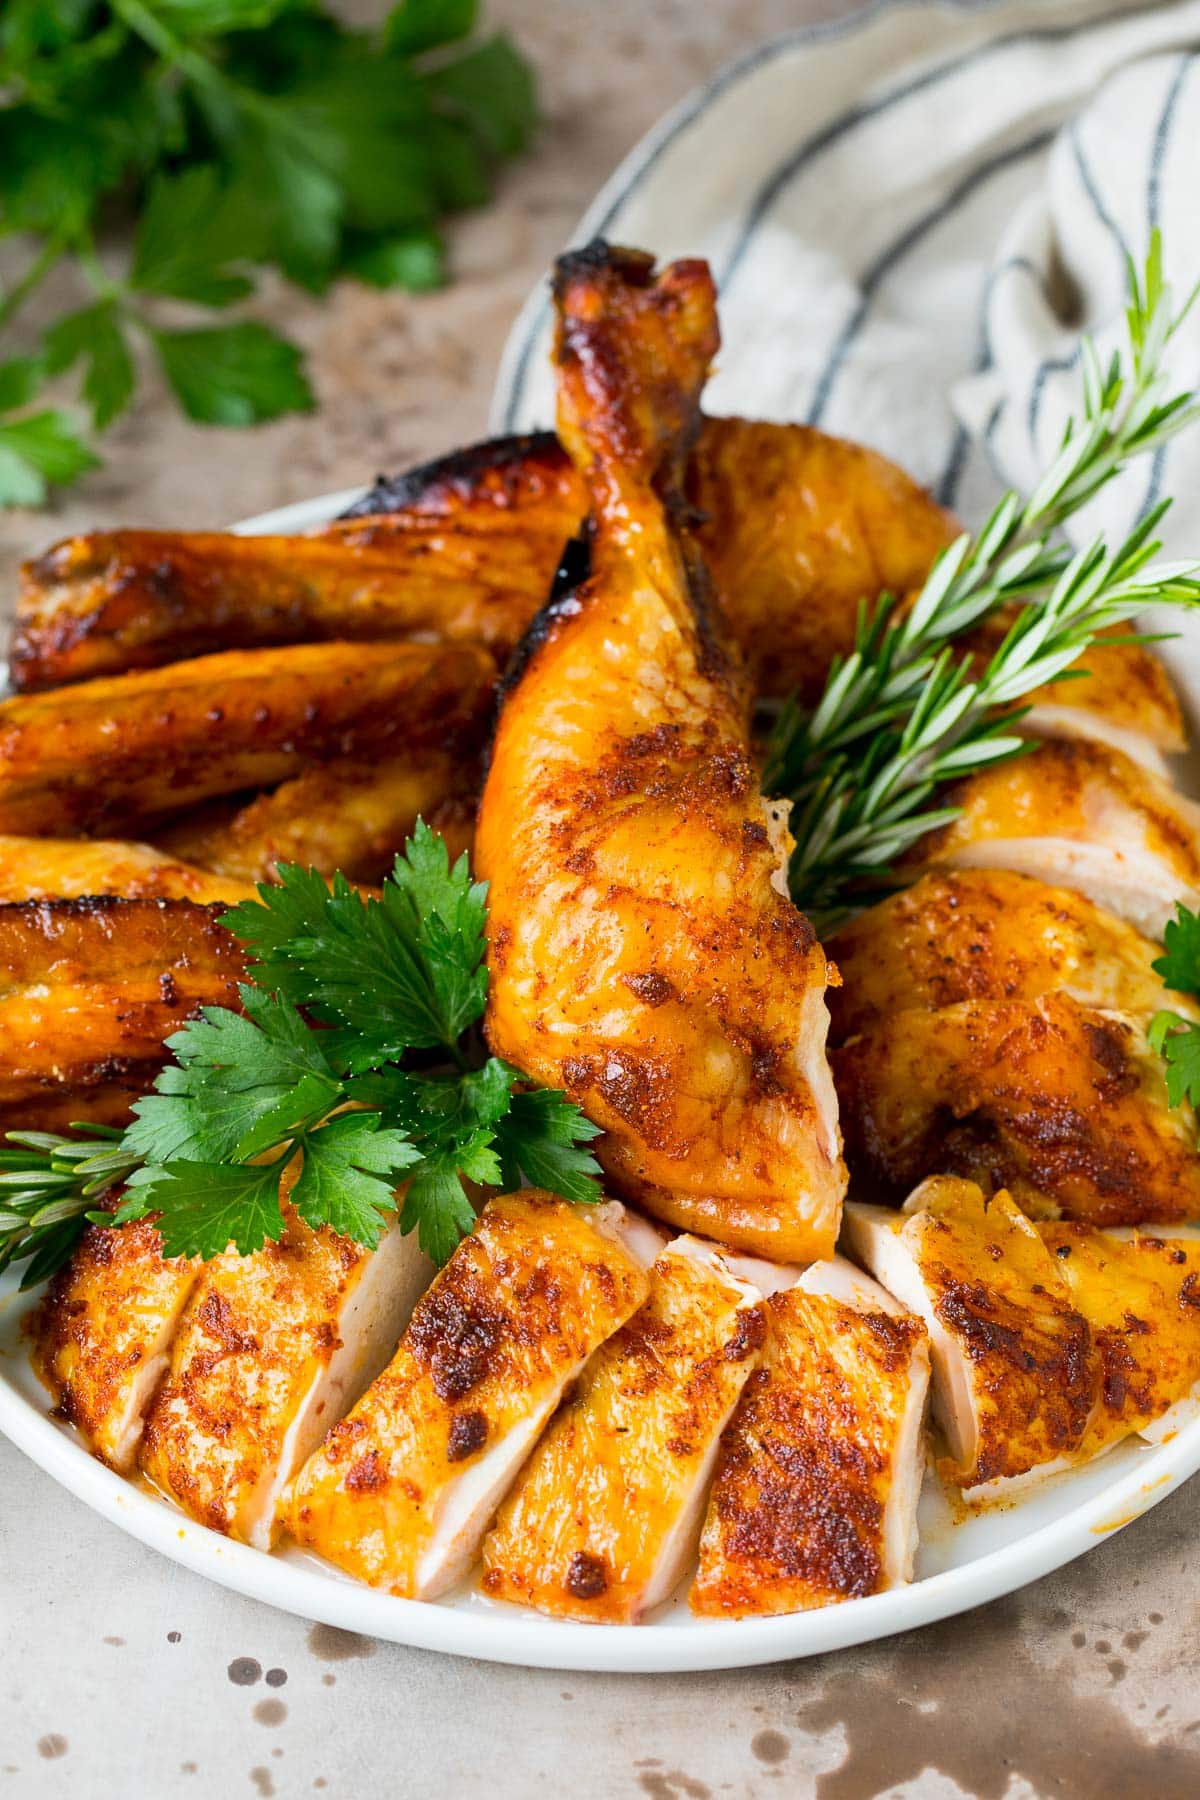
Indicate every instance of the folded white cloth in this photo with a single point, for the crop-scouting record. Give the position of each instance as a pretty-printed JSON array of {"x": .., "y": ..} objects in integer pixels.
[{"x": 912, "y": 215}]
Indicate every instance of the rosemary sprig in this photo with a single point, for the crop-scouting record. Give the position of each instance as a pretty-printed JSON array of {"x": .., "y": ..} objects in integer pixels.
[
  {"x": 902, "y": 714},
  {"x": 50, "y": 1188}
]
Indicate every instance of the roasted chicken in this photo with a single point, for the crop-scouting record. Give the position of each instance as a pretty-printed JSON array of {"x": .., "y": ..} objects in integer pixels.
[
  {"x": 38, "y": 868},
  {"x": 273, "y": 1350},
  {"x": 1064, "y": 1105},
  {"x": 1015, "y": 1383},
  {"x": 816, "y": 1490},
  {"x": 604, "y": 1520},
  {"x": 139, "y": 746},
  {"x": 103, "y": 1331},
  {"x": 990, "y": 935},
  {"x": 799, "y": 526},
  {"x": 89, "y": 989},
  {"x": 1084, "y": 816},
  {"x": 1051, "y": 1342},
  {"x": 643, "y": 952},
  {"x": 403, "y": 1489},
  {"x": 349, "y": 815}
]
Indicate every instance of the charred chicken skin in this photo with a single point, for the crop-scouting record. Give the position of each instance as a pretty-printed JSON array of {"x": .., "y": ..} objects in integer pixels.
[{"x": 643, "y": 952}]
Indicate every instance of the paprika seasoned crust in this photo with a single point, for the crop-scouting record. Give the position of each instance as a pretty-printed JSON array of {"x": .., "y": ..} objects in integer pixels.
[
  {"x": 102, "y": 1334},
  {"x": 1063, "y": 1104},
  {"x": 89, "y": 990},
  {"x": 990, "y": 935},
  {"x": 403, "y": 1489},
  {"x": 37, "y": 868},
  {"x": 351, "y": 814},
  {"x": 642, "y": 950},
  {"x": 133, "y": 747},
  {"x": 808, "y": 524},
  {"x": 819, "y": 1474}
]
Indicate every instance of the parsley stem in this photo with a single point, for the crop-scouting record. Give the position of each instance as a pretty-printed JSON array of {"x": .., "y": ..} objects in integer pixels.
[{"x": 151, "y": 29}]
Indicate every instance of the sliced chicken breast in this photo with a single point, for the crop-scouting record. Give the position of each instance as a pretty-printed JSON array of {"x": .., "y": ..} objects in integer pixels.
[
  {"x": 819, "y": 1475},
  {"x": 990, "y": 935},
  {"x": 1063, "y": 1104},
  {"x": 1084, "y": 816},
  {"x": 103, "y": 1331},
  {"x": 403, "y": 1489},
  {"x": 1141, "y": 1297},
  {"x": 1015, "y": 1380},
  {"x": 275, "y": 1347},
  {"x": 604, "y": 1520}
]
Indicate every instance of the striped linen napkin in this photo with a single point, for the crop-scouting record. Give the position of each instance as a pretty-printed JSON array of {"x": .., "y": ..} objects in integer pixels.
[{"x": 912, "y": 214}]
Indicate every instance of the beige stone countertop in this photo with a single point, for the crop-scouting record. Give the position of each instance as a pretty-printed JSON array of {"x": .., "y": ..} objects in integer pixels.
[{"x": 123, "y": 1677}]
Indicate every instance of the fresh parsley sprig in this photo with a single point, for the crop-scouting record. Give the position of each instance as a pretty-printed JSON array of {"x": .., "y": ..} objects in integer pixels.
[
  {"x": 902, "y": 714},
  {"x": 229, "y": 135},
  {"x": 354, "y": 1068},
  {"x": 1176, "y": 1039}
]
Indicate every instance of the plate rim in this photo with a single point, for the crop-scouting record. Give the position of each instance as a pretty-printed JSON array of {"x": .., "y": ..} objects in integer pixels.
[{"x": 494, "y": 1632}]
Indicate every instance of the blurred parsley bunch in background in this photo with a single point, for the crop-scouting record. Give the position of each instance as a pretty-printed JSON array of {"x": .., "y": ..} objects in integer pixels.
[{"x": 224, "y": 136}]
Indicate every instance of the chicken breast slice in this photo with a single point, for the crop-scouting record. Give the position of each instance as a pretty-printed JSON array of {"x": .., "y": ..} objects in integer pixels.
[
  {"x": 275, "y": 1347},
  {"x": 604, "y": 1521},
  {"x": 1140, "y": 1295},
  {"x": 643, "y": 953},
  {"x": 990, "y": 935},
  {"x": 1015, "y": 1378},
  {"x": 1084, "y": 816},
  {"x": 102, "y": 1334},
  {"x": 403, "y": 1489},
  {"x": 820, "y": 1469},
  {"x": 1063, "y": 1104},
  {"x": 36, "y": 868}
]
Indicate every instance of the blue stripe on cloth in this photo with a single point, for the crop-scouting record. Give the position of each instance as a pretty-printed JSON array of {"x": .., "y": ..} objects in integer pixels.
[
  {"x": 945, "y": 488},
  {"x": 1158, "y": 156},
  {"x": 829, "y": 31},
  {"x": 1093, "y": 192},
  {"x": 883, "y": 265}
]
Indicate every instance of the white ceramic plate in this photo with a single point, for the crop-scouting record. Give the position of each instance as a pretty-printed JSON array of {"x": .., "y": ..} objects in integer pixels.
[{"x": 959, "y": 1564}]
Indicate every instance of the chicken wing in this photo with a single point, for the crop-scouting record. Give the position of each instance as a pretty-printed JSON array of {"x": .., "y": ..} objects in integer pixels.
[
  {"x": 348, "y": 815},
  {"x": 605, "y": 1517},
  {"x": 642, "y": 950},
  {"x": 990, "y": 935},
  {"x": 275, "y": 1347},
  {"x": 72, "y": 868},
  {"x": 103, "y": 1330},
  {"x": 1015, "y": 1380},
  {"x": 123, "y": 600},
  {"x": 819, "y": 1474},
  {"x": 799, "y": 528},
  {"x": 153, "y": 743},
  {"x": 89, "y": 989},
  {"x": 403, "y": 1489},
  {"x": 1081, "y": 815},
  {"x": 1063, "y": 1104}
]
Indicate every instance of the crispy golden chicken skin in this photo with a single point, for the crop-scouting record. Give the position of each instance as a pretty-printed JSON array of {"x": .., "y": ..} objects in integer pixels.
[
  {"x": 799, "y": 526},
  {"x": 403, "y": 1489},
  {"x": 820, "y": 1468},
  {"x": 989, "y": 935},
  {"x": 348, "y": 815},
  {"x": 274, "y": 1348},
  {"x": 103, "y": 1330},
  {"x": 147, "y": 744},
  {"x": 1015, "y": 1379},
  {"x": 36, "y": 868},
  {"x": 1084, "y": 816},
  {"x": 89, "y": 989},
  {"x": 123, "y": 600},
  {"x": 642, "y": 952},
  {"x": 606, "y": 1514},
  {"x": 1063, "y": 1104},
  {"x": 1141, "y": 1298}
]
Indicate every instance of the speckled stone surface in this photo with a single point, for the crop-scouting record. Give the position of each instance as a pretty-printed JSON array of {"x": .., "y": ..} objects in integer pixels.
[{"x": 122, "y": 1675}]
